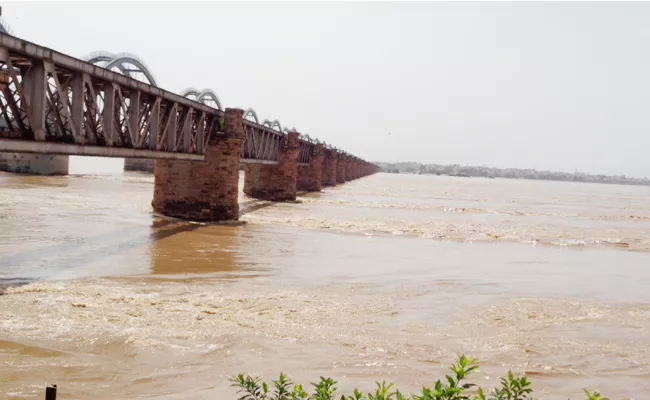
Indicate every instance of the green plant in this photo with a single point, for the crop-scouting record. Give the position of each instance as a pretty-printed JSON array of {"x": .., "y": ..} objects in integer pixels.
[
  {"x": 594, "y": 396},
  {"x": 453, "y": 387},
  {"x": 511, "y": 389}
]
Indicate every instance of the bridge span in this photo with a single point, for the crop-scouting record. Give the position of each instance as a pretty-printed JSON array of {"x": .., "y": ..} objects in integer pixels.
[{"x": 54, "y": 104}]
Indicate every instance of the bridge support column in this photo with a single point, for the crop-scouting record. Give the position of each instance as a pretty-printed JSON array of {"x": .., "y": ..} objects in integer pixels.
[
  {"x": 329, "y": 168},
  {"x": 139, "y": 164},
  {"x": 207, "y": 190},
  {"x": 348, "y": 170},
  {"x": 341, "y": 169},
  {"x": 275, "y": 182},
  {"x": 310, "y": 177},
  {"x": 34, "y": 164},
  {"x": 365, "y": 169}
]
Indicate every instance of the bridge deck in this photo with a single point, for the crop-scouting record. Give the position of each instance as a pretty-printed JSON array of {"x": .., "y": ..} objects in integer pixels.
[{"x": 27, "y": 146}]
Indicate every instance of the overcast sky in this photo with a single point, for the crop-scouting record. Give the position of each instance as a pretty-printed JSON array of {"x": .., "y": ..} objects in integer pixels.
[{"x": 559, "y": 86}]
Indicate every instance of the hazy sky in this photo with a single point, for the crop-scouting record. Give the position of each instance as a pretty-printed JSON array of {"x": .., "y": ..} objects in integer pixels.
[{"x": 558, "y": 86}]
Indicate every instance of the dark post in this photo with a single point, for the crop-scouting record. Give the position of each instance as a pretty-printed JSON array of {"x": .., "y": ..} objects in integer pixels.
[{"x": 50, "y": 392}]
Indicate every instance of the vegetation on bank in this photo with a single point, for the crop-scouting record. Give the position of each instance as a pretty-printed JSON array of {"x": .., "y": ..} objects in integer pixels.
[
  {"x": 453, "y": 387},
  {"x": 508, "y": 173}
]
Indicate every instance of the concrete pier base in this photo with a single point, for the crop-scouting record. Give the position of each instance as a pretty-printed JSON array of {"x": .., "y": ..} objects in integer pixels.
[
  {"x": 139, "y": 164},
  {"x": 34, "y": 164}
]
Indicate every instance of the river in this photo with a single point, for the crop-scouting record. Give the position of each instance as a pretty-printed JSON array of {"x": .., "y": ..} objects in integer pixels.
[{"x": 387, "y": 277}]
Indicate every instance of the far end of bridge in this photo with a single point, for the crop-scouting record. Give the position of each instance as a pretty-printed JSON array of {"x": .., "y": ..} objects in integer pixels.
[{"x": 208, "y": 190}]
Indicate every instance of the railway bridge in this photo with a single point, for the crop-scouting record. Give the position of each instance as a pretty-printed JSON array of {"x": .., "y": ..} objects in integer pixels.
[{"x": 55, "y": 105}]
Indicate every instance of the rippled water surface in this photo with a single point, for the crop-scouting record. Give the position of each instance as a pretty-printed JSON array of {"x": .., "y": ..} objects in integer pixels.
[{"x": 387, "y": 277}]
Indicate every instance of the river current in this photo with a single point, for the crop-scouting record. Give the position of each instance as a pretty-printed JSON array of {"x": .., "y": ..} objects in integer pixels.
[{"x": 387, "y": 277}]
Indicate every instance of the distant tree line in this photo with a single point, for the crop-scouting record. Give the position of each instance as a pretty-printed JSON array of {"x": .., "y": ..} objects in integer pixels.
[{"x": 511, "y": 173}]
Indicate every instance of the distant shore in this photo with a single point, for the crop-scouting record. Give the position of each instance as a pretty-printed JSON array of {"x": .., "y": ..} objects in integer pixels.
[{"x": 509, "y": 173}]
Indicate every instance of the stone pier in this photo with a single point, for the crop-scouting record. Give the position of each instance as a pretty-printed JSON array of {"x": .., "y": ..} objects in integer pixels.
[
  {"x": 329, "y": 168},
  {"x": 341, "y": 168},
  {"x": 348, "y": 169},
  {"x": 310, "y": 177},
  {"x": 34, "y": 164},
  {"x": 355, "y": 169},
  {"x": 139, "y": 164},
  {"x": 275, "y": 182},
  {"x": 207, "y": 190}
]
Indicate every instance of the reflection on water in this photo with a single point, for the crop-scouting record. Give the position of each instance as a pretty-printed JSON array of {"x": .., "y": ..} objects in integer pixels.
[
  {"x": 181, "y": 248},
  {"x": 383, "y": 278}
]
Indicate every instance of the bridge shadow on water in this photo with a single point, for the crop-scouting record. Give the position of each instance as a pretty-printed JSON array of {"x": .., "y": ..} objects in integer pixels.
[
  {"x": 251, "y": 205},
  {"x": 20, "y": 181},
  {"x": 166, "y": 247}
]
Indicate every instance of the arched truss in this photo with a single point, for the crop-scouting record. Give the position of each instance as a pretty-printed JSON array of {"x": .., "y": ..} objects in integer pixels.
[
  {"x": 308, "y": 138},
  {"x": 275, "y": 124},
  {"x": 126, "y": 63},
  {"x": 131, "y": 65},
  {"x": 250, "y": 113},
  {"x": 206, "y": 96}
]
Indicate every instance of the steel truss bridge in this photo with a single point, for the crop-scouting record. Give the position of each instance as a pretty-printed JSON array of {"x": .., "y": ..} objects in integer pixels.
[{"x": 109, "y": 105}]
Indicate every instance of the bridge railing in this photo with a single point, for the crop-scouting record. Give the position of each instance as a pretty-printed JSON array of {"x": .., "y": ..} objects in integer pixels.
[
  {"x": 54, "y": 103},
  {"x": 307, "y": 149},
  {"x": 261, "y": 144}
]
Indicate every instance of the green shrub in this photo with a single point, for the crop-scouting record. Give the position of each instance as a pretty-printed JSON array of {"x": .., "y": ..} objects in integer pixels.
[{"x": 453, "y": 387}]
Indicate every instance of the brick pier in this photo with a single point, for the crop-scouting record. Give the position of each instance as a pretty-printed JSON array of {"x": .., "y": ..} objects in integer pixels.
[
  {"x": 348, "y": 169},
  {"x": 329, "y": 168},
  {"x": 275, "y": 182},
  {"x": 203, "y": 191},
  {"x": 310, "y": 176},
  {"x": 341, "y": 169},
  {"x": 355, "y": 169}
]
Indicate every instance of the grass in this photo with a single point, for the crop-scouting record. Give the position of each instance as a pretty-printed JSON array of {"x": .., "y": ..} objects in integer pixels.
[{"x": 453, "y": 387}]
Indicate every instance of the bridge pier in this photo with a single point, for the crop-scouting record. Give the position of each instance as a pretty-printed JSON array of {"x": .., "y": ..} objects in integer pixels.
[
  {"x": 310, "y": 176},
  {"x": 348, "y": 169},
  {"x": 341, "y": 168},
  {"x": 329, "y": 168},
  {"x": 139, "y": 164},
  {"x": 350, "y": 172},
  {"x": 363, "y": 169},
  {"x": 34, "y": 164},
  {"x": 275, "y": 182},
  {"x": 203, "y": 191}
]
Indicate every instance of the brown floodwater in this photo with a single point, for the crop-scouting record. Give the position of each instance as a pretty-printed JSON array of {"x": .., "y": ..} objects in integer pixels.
[{"x": 388, "y": 277}]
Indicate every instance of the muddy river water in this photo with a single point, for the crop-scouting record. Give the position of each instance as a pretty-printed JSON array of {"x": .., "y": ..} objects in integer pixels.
[{"x": 388, "y": 277}]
